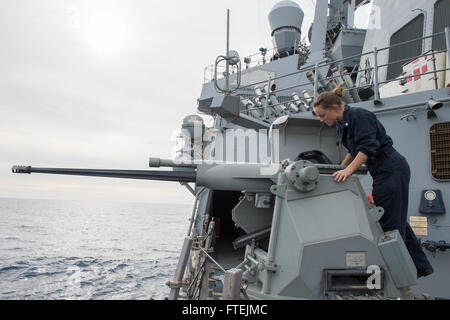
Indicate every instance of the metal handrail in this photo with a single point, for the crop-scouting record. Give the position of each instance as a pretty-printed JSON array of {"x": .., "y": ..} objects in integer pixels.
[
  {"x": 267, "y": 57},
  {"x": 280, "y": 77},
  {"x": 351, "y": 57},
  {"x": 412, "y": 40},
  {"x": 415, "y": 75},
  {"x": 412, "y": 58},
  {"x": 375, "y": 83},
  {"x": 355, "y": 87}
]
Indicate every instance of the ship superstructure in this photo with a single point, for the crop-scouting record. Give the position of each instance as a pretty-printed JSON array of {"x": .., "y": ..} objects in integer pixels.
[{"x": 397, "y": 70}]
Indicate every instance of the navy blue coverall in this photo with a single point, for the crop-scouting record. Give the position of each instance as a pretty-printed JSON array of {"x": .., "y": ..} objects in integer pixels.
[{"x": 361, "y": 131}]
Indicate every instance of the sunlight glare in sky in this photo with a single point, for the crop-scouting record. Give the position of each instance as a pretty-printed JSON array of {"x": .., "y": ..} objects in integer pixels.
[{"x": 107, "y": 33}]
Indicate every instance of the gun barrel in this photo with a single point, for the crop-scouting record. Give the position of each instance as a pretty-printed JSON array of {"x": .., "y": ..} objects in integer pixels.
[
  {"x": 221, "y": 176},
  {"x": 179, "y": 176}
]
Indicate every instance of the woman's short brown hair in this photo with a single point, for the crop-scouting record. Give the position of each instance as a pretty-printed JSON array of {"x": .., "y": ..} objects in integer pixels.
[{"x": 327, "y": 99}]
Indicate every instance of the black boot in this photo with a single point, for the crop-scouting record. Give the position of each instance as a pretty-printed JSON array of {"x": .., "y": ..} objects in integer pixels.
[{"x": 424, "y": 273}]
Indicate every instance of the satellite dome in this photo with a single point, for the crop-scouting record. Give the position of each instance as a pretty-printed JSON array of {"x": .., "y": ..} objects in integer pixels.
[
  {"x": 286, "y": 14},
  {"x": 286, "y": 18}
]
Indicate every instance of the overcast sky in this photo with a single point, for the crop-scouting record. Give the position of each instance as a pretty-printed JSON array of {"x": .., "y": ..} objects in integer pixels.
[{"x": 104, "y": 84}]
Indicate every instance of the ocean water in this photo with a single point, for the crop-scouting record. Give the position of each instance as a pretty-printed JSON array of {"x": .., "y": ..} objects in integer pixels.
[{"x": 51, "y": 249}]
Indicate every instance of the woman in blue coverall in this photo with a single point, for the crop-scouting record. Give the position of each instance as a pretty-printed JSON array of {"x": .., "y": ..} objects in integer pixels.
[{"x": 367, "y": 142}]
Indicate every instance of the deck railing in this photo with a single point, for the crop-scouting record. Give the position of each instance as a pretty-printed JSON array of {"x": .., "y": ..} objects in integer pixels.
[{"x": 370, "y": 72}]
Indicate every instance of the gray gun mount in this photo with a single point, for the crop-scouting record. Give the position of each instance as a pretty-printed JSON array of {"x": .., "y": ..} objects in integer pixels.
[
  {"x": 331, "y": 228},
  {"x": 337, "y": 247}
]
